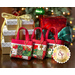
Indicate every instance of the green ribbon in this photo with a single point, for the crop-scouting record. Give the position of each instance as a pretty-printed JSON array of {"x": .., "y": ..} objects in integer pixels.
[{"x": 65, "y": 34}]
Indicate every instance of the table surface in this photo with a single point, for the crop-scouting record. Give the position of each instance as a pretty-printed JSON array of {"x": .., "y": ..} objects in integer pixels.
[{"x": 7, "y": 62}]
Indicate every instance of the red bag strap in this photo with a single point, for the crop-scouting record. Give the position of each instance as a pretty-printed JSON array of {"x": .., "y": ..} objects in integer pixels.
[
  {"x": 42, "y": 37},
  {"x": 55, "y": 36},
  {"x": 27, "y": 35}
]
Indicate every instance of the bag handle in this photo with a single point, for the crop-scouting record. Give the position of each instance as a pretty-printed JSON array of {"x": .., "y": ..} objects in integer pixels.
[
  {"x": 42, "y": 37},
  {"x": 27, "y": 35},
  {"x": 55, "y": 36}
]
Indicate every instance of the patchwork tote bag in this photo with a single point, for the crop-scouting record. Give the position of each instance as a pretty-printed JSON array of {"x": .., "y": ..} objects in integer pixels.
[
  {"x": 52, "y": 43},
  {"x": 39, "y": 46},
  {"x": 21, "y": 48}
]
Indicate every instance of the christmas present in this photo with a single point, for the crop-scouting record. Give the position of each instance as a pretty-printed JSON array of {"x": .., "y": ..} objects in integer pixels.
[
  {"x": 30, "y": 33},
  {"x": 8, "y": 34},
  {"x": 11, "y": 34},
  {"x": 12, "y": 24},
  {"x": 52, "y": 43},
  {"x": 58, "y": 22},
  {"x": 39, "y": 46},
  {"x": 21, "y": 48},
  {"x": 65, "y": 34},
  {"x": 6, "y": 46}
]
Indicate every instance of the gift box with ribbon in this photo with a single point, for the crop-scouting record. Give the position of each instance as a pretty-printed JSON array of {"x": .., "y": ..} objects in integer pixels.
[
  {"x": 10, "y": 27},
  {"x": 6, "y": 46},
  {"x": 30, "y": 33},
  {"x": 8, "y": 34},
  {"x": 12, "y": 24}
]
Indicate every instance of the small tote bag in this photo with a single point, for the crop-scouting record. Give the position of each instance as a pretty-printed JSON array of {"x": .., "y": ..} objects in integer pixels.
[
  {"x": 39, "y": 46},
  {"x": 51, "y": 44},
  {"x": 21, "y": 48}
]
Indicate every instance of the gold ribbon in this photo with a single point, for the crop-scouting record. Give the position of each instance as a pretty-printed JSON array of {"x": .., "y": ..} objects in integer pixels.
[{"x": 27, "y": 17}]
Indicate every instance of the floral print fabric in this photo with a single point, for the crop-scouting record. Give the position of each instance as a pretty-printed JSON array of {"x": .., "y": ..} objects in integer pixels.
[
  {"x": 21, "y": 51},
  {"x": 39, "y": 51},
  {"x": 50, "y": 49}
]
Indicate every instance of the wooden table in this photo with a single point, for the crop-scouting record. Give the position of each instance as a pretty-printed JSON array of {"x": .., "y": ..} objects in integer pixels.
[{"x": 7, "y": 62}]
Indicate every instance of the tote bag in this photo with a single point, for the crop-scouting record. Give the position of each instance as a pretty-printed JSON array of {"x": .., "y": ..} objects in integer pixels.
[
  {"x": 21, "y": 48},
  {"x": 52, "y": 43},
  {"x": 39, "y": 46}
]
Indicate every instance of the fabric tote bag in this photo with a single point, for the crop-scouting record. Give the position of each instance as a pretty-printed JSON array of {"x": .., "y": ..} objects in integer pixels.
[
  {"x": 52, "y": 43},
  {"x": 39, "y": 46},
  {"x": 21, "y": 48}
]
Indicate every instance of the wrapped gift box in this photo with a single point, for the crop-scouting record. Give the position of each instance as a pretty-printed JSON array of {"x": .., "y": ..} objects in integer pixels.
[
  {"x": 12, "y": 24},
  {"x": 11, "y": 34},
  {"x": 58, "y": 22},
  {"x": 6, "y": 46},
  {"x": 8, "y": 34},
  {"x": 30, "y": 33}
]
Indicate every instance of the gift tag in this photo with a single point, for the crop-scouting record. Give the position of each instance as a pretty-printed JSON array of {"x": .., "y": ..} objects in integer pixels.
[
  {"x": 61, "y": 54},
  {"x": 41, "y": 46}
]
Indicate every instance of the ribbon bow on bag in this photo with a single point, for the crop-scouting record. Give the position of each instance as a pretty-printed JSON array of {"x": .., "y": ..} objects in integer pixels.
[{"x": 27, "y": 17}]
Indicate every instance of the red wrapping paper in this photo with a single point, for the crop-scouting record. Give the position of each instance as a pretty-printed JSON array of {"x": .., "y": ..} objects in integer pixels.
[{"x": 58, "y": 22}]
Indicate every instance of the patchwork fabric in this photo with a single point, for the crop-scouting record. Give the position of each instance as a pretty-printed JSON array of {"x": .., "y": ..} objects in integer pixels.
[
  {"x": 39, "y": 51},
  {"x": 50, "y": 49},
  {"x": 20, "y": 51}
]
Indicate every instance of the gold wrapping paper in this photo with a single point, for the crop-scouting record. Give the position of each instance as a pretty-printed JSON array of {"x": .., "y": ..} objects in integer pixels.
[
  {"x": 9, "y": 38},
  {"x": 29, "y": 26},
  {"x": 12, "y": 27},
  {"x": 6, "y": 50}
]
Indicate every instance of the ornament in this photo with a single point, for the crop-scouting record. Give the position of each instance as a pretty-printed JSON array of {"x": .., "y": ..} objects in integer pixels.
[
  {"x": 25, "y": 47},
  {"x": 37, "y": 16},
  {"x": 55, "y": 45},
  {"x": 73, "y": 36},
  {"x": 41, "y": 46},
  {"x": 40, "y": 11},
  {"x": 51, "y": 10},
  {"x": 61, "y": 54},
  {"x": 64, "y": 13},
  {"x": 70, "y": 22},
  {"x": 23, "y": 9},
  {"x": 46, "y": 9},
  {"x": 73, "y": 28},
  {"x": 52, "y": 13},
  {"x": 68, "y": 13},
  {"x": 71, "y": 44}
]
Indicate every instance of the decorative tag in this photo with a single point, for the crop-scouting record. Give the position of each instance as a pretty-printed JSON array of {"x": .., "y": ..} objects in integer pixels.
[
  {"x": 41, "y": 46},
  {"x": 61, "y": 54}
]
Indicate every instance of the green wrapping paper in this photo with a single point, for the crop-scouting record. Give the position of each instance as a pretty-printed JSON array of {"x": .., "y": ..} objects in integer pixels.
[{"x": 65, "y": 34}]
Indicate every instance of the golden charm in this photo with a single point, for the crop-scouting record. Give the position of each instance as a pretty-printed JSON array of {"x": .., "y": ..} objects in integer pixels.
[
  {"x": 41, "y": 46},
  {"x": 25, "y": 46},
  {"x": 55, "y": 45}
]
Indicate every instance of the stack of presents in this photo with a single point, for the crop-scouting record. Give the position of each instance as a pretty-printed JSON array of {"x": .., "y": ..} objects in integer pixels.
[{"x": 9, "y": 31}]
